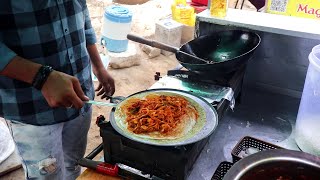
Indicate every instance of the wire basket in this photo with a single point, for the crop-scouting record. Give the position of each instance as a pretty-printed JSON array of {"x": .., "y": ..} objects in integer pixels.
[
  {"x": 221, "y": 170},
  {"x": 250, "y": 142}
]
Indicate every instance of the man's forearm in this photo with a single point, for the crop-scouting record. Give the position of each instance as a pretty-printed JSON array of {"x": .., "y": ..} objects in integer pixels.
[
  {"x": 95, "y": 58},
  {"x": 21, "y": 69}
]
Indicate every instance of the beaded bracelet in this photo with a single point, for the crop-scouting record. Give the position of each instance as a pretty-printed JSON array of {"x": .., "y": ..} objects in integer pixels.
[{"x": 41, "y": 77}]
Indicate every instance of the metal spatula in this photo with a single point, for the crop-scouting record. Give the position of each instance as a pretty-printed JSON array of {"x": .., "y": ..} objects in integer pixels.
[{"x": 100, "y": 103}]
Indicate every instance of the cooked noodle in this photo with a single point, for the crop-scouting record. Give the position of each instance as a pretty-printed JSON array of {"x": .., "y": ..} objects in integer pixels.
[{"x": 157, "y": 113}]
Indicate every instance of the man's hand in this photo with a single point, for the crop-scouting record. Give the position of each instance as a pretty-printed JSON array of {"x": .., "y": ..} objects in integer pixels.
[
  {"x": 64, "y": 90},
  {"x": 59, "y": 89},
  {"x": 106, "y": 83}
]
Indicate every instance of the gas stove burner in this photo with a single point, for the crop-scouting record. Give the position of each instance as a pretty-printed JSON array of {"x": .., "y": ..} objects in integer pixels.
[
  {"x": 201, "y": 77},
  {"x": 165, "y": 162}
]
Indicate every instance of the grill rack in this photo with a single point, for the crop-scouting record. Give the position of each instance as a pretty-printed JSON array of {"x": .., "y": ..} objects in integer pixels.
[
  {"x": 221, "y": 170},
  {"x": 247, "y": 142}
]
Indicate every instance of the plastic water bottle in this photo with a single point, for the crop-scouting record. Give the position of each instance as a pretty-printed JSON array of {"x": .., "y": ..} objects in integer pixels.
[{"x": 307, "y": 134}]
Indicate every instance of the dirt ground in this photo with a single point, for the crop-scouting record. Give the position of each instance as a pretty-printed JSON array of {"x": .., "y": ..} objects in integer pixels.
[{"x": 128, "y": 80}]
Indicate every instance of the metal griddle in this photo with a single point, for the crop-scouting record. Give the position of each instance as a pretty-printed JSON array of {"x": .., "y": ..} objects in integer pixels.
[{"x": 210, "y": 116}]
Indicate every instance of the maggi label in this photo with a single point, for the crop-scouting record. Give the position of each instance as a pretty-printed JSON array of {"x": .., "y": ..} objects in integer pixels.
[
  {"x": 297, "y": 8},
  {"x": 305, "y": 10}
]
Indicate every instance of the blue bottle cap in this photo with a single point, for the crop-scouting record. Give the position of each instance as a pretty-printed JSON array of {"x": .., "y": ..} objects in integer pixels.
[{"x": 118, "y": 14}]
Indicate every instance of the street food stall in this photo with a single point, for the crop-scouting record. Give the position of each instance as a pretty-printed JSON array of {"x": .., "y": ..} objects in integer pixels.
[{"x": 252, "y": 108}]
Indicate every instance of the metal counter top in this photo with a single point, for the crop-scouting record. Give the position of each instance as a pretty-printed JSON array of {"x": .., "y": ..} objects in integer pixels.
[
  {"x": 265, "y": 22},
  {"x": 266, "y": 116}
]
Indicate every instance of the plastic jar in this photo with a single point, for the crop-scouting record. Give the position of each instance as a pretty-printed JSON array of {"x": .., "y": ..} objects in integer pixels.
[
  {"x": 116, "y": 26},
  {"x": 307, "y": 133},
  {"x": 183, "y": 14}
]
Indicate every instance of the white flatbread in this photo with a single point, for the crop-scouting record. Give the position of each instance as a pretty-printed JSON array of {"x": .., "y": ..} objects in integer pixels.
[{"x": 187, "y": 124}]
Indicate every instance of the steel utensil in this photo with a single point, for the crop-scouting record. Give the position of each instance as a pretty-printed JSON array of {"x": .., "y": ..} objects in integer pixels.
[
  {"x": 276, "y": 164},
  {"x": 100, "y": 103}
]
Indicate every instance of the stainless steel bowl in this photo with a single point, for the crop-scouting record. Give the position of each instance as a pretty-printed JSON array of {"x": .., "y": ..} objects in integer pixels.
[{"x": 279, "y": 164}]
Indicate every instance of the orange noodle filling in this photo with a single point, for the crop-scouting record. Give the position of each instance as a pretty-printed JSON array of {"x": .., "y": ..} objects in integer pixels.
[{"x": 157, "y": 113}]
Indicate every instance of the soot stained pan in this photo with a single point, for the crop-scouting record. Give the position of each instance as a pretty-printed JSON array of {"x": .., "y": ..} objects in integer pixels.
[{"x": 202, "y": 131}]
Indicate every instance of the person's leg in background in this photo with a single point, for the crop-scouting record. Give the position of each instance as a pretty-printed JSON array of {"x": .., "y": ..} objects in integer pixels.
[
  {"x": 74, "y": 142},
  {"x": 40, "y": 148}
]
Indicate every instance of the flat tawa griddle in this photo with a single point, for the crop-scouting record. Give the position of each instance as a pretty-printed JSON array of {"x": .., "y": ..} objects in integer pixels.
[{"x": 208, "y": 114}]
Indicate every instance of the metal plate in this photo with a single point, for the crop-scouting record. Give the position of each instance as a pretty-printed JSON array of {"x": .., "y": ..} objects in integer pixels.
[{"x": 211, "y": 120}]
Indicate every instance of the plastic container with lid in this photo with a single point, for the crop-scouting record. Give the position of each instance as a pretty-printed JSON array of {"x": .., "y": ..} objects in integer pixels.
[
  {"x": 307, "y": 133},
  {"x": 116, "y": 26}
]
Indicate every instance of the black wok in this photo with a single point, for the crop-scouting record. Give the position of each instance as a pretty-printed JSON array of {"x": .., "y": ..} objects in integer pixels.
[{"x": 218, "y": 53}]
